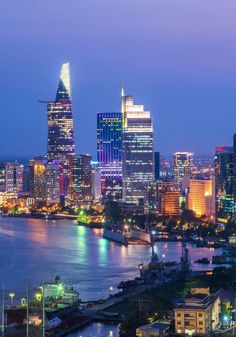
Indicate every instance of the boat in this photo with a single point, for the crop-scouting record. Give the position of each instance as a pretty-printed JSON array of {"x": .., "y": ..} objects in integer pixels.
[
  {"x": 115, "y": 235},
  {"x": 204, "y": 260},
  {"x": 4, "y": 215},
  {"x": 90, "y": 221},
  {"x": 58, "y": 293}
]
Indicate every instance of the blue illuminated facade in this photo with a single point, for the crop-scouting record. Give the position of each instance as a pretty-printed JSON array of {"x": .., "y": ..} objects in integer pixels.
[
  {"x": 224, "y": 183},
  {"x": 109, "y": 152}
]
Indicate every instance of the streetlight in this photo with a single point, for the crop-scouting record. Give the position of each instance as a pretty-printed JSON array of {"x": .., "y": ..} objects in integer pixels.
[
  {"x": 225, "y": 319},
  {"x": 12, "y": 295}
]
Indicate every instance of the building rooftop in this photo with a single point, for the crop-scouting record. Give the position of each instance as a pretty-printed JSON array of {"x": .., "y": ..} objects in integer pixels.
[
  {"x": 157, "y": 326},
  {"x": 196, "y": 300}
]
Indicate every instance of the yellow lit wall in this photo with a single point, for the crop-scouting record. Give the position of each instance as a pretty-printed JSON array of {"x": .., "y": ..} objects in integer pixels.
[
  {"x": 170, "y": 203},
  {"x": 200, "y": 196}
]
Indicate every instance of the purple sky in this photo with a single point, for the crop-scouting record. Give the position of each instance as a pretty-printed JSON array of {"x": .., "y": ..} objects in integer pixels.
[{"x": 178, "y": 57}]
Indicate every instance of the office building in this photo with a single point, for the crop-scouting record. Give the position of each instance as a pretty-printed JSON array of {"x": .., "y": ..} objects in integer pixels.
[
  {"x": 170, "y": 203},
  {"x": 53, "y": 173},
  {"x": 86, "y": 175},
  {"x": 61, "y": 145},
  {"x": 96, "y": 184},
  {"x": 168, "y": 199},
  {"x": 182, "y": 167},
  {"x": 37, "y": 183},
  {"x": 224, "y": 198},
  {"x": 14, "y": 177},
  {"x": 2, "y": 176},
  {"x": 138, "y": 150},
  {"x": 200, "y": 313},
  {"x": 201, "y": 197},
  {"x": 157, "y": 165},
  {"x": 109, "y": 151},
  {"x": 234, "y": 173},
  {"x": 81, "y": 176}
]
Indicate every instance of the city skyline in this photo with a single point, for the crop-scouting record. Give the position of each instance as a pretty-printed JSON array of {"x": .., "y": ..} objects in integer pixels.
[
  {"x": 118, "y": 168},
  {"x": 195, "y": 87}
]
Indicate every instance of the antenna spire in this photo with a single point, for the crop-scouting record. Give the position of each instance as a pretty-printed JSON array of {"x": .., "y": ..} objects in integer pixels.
[{"x": 122, "y": 89}]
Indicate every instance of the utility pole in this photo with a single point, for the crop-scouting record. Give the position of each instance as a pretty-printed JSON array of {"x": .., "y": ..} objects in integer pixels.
[
  {"x": 3, "y": 310},
  {"x": 43, "y": 300},
  {"x": 27, "y": 309}
]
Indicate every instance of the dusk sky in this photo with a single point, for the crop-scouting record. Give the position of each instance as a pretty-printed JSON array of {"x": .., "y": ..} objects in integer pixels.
[{"x": 177, "y": 57}]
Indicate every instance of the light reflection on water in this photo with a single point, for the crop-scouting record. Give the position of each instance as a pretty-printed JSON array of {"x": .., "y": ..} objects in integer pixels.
[
  {"x": 97, "y": 330},
  {"x": 38, "y": 250}
]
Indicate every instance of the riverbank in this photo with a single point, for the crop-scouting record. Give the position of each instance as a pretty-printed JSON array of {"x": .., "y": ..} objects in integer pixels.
[
  {"x": 158, "y": 303},
  {"x": 45, "y": 216}
]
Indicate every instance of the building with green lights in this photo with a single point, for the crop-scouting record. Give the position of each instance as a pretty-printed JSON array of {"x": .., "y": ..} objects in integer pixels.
[{"x": 224, "y": 198}]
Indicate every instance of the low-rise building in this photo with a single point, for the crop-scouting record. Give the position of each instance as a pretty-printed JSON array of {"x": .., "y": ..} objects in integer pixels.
[
  {"x": 154, "y": 329},
  {"x": 199, "y": 314}
]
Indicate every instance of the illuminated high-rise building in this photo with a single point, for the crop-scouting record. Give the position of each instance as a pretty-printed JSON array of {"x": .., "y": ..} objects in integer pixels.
[
  {"x": 168, "y": 200},
  {"x": 224, "y": 183},
  {"x": 201, "y": 197},
  {"x": 109, "y": 152},
  {"x": 2, "y": 176},
  {"x": 14, "y": 177},
  {"x": 234, "y": 173},
  {"x": 157, "y": 165},
  {"x": 137, "y": 150},
  {"x": 61, "y": 145},
  {"x": 182, "y": 167},
  {"x": 96, "y": 190},
  {"x": 53, "y": 173},
  {"x": 37, "y": 183},
  {"x": 81, "y": 185}
]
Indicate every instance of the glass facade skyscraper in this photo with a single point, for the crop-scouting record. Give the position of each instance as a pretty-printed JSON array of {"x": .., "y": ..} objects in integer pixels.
[
  {"x": 81, "y": 176},
  {"x": 109, "y": 152},
  {"x": 37, "y": 181},
  {"x": 52, "y": 173},
  {"x": 2, "y": 176},
  {"x": 224, "y": 183},
  {"x": 182, "y": 167},
  {"x": 14, "y": 177},
  {"x": 61, "y": 145},
  {"x": 157, "y": 165},
  {"x": 138, "y": 150}
]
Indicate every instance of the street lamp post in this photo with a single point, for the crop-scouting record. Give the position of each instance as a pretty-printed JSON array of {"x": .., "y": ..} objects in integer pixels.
[{"x": 12, "y": 295}]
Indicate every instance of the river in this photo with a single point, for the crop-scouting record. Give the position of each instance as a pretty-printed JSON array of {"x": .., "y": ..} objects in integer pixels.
[{"x": 37, "y": 250}]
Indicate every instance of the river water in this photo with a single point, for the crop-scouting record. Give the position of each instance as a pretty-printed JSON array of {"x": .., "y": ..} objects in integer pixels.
[{"x": 37, "y": 250}]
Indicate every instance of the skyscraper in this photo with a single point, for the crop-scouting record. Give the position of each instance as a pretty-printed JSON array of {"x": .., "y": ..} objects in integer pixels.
[
  {"x": 234, "y": 173},
  {"x": 81, "y": 180},
  {"x": 200, "y": 197},
  {"x": 109, "y": 152},
  {"x": 14, "y": 177},
  {"x": 52, "y": 173},
  {"x": 157, "y": 165},
  {"x": 224, "y": 183},
  {"x": 2, "y": 176},
  {"x": 182, "y": 167},
  {"x": 138, "y": 150},
  {"x": 96, "y": 184},
  {"x": 37, "y": 183},
  {"x": 61, "y": 145}
]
